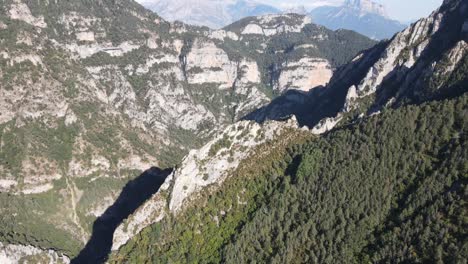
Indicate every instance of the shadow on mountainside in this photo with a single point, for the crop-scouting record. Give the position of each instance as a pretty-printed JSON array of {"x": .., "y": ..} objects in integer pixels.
[
  {"x": 320, "y": 102},
  {"x": 133, "y": 195},
  {"x": 292, "y": 102}
]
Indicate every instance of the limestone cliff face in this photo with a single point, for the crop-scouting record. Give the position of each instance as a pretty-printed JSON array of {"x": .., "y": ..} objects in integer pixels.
[
  {"x": 305, "y": 74},
  {"x": 423, "y": 62},
  {"x": 202, "y": 171},
  {"x": 12, "y": 254},
  {"x": 270, "y": 25},
  {"x": 303, "y": 59},
  {"x": 417, "y": 64}
]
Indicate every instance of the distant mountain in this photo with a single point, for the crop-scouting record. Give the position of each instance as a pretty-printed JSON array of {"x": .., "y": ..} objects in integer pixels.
[
  {"x": 211, "y": 13},
  {"x": 363, "y": 16}
]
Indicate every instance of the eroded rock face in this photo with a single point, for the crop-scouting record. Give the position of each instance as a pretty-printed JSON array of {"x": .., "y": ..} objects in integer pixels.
[
  {"x": 305, "y": 74},
  {"x": 21, "y": 11},
  {"x": 207, "y": 63},
  {"x": 412, "y": 36},
  {"x": 207, "y": 166},
  {"x": 15, "y": 254},
  {"x": 270, "y": 25},
  {"x": 210, "y": 164},
  {"x": 407, "y": 67}
]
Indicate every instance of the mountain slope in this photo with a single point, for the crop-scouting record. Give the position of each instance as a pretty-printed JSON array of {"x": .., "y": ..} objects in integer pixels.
[
  {"x": 424, "y": 62},
  {"x": 332, "y": 199},
  {"x": 387, "y": 184},
  {"x": 94, "y": 93},
  {"x": 363, "y": 16},
  {"x": 295, "y": 54}
]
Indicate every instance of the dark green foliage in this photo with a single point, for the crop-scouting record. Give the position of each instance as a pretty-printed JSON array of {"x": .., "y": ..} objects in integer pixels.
[
  {"x": 225, "y": 142},
  {"x": 371, "y": 180},
  {"x": 390, "y": 189},
  {"x": 338, "y": 47},
  {"x": 19, "y": 219}
]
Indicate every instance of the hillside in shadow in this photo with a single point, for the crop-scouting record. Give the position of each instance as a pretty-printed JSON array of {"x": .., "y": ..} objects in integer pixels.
[{"x": 133, "y": 195}]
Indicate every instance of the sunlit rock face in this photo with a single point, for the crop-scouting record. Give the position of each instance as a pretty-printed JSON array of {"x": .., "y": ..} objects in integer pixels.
[
  {"x": 417, "y": 64},
  {"x": 407, "y": 62},
  {"x": 305, "y": 74},
  {"x": 201, "y": 169},
  {"x": 12, "y": 254}
]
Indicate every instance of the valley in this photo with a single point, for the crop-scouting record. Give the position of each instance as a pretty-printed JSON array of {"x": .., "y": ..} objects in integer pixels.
[{"x": 126, "y": 138}]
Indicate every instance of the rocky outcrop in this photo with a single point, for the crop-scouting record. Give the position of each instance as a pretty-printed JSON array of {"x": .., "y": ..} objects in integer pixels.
[
  {"x": 305, "y": 74},
  {"x": 206, "y": 167},
  {"x": 20, "y": 11},
  {"x": 421, "y": 63},
  {"x": 15, "y": 254},
  {"x": 270, "y": 25},
  {"x": 207, "y": 63}
]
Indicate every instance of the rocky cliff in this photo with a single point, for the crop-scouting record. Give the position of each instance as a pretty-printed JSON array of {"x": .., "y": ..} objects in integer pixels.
[
  {"x": 388, "y": 166},
  {"x": 365, "y": 86},
  {"x": 204, "y": 171},
  {"x": 423, "y": 62},
  {"x": 10, "y": 254},
  {"x": 93, "y": 93}
]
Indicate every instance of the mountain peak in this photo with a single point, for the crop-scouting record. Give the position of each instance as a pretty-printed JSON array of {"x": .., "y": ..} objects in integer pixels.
[
  {"x": 212, "y": 13},
  {"x": 367, "y": 6}
]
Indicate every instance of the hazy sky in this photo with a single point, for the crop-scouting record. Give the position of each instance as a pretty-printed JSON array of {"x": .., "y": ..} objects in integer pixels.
[{"x": 403, "y": 10}]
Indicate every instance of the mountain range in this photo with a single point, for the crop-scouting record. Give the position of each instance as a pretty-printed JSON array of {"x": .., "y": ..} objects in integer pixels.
[
  {"x": 212, "y": 13},
  {"x": 363, "y": 16},
  {"x": 125, "y": 138}
]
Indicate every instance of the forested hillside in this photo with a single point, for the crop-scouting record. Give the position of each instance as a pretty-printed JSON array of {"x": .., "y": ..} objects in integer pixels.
[
  {"x": 365, "y": 160},
  {"x": 94, "y": 93},
  {"x": 391, "y": 188},
  {"x": 385, "y": 183}
]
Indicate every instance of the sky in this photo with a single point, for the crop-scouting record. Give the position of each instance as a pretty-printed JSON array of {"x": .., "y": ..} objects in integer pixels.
[{"x": 402, "y": 10}]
